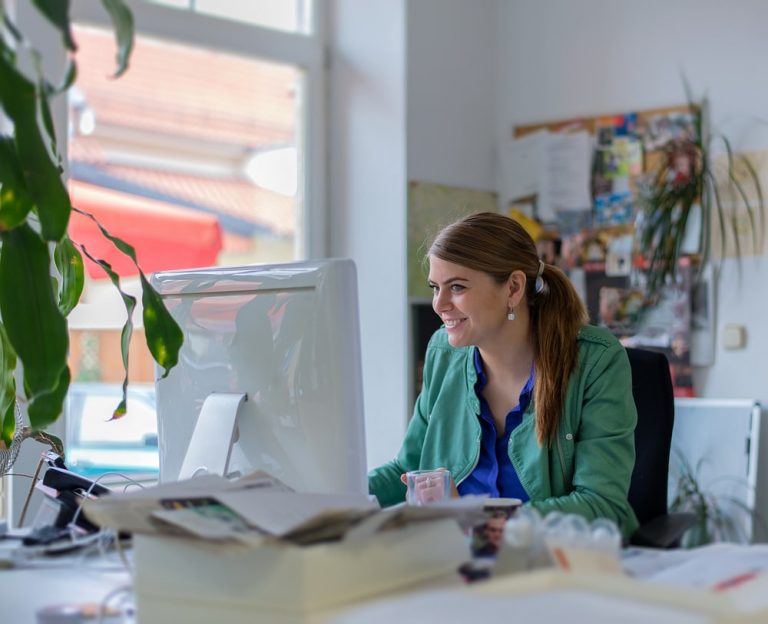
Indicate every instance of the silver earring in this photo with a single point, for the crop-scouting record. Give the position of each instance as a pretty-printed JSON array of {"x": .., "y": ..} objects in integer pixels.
[{"x": 511, "y": 315}]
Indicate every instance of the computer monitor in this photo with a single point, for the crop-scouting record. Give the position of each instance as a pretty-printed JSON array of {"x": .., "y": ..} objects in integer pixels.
[{"x": 287, "y": 337}]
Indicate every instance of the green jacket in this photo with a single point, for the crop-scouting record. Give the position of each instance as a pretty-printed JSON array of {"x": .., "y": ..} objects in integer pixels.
[{"x": 586, "y": 470}]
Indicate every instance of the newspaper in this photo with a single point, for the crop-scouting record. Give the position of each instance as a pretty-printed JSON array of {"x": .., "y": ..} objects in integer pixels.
[{"x": 258, "y": 508}]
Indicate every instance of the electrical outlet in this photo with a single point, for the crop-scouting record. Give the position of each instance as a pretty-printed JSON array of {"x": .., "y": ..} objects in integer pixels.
[{"x": 734, "y": 337}]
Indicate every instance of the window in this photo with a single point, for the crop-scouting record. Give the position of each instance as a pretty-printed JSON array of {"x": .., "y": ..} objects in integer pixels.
[
  {"x": 287, "y": 15},
  {"x": 208, "y": 138},
  {"x": 205, "y": 152}
]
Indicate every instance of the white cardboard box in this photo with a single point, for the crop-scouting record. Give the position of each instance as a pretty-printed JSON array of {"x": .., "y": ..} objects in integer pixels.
[{"x": 193, "y": 581}]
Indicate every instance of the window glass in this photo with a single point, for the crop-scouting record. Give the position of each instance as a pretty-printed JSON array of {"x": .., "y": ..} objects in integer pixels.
[
  {"x": 286, "y": 15},
  {"x": 192, "y": 157},
  {"x": 97, "y": 443}
]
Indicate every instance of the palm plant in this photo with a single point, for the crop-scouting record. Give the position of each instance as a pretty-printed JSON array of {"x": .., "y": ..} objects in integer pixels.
[
  {"x": 684, "y": 181},
  {"x": 34, "y": 214}
]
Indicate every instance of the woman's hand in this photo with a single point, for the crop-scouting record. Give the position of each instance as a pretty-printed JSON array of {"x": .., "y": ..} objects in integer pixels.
[{"x": 429, "y": 490}]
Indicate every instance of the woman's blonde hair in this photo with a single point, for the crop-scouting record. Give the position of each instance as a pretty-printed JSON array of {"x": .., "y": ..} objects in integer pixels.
[{"x": 498, "y": 245}]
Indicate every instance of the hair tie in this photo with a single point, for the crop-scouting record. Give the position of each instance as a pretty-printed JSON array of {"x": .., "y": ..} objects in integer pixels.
[{"x": 538, "y": 285}]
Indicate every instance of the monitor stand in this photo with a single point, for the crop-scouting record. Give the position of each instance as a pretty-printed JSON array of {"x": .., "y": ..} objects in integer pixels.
[{"x": 210, "y": 448}]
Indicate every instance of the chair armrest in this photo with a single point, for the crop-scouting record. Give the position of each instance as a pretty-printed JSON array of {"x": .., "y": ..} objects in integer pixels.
[{"x": 664, "y": 531}]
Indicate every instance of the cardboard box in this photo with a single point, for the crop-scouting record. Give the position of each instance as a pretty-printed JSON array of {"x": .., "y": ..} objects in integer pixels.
[
  {"x": 210, "y": 550},
  {"x": 200, "y": 582}
]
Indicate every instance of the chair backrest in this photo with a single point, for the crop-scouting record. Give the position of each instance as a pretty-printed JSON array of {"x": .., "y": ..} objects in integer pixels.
[{"x": 655, "y": 402}]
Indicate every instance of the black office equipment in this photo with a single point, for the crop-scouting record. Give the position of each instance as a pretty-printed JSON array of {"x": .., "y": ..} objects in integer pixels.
[{"x": 70, "y": 489}]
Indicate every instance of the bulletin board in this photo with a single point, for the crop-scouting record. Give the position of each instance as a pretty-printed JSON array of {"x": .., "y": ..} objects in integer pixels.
[
  {"x": 590, "y": 124},
  {"x": 590, "y": 235},
  {"x": 627, "y": 142}
]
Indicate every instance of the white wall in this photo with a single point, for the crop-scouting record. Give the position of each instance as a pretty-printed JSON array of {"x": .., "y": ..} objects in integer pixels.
[
  {"x": 563, "y": 58},
  {"x": 412, "y": 98},
  {"x": 740, "y": 374},
  {"x": 452, "y": 92},
  {"x": 560, "y": 59},
  {"x": 367, "y": 197}
]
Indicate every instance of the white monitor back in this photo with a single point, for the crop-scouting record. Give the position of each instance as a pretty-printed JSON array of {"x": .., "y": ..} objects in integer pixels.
[{"x": 287, "y": 336}]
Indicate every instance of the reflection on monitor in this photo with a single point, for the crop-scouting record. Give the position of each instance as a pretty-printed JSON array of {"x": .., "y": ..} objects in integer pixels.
[{"x": 287, "y": 336}]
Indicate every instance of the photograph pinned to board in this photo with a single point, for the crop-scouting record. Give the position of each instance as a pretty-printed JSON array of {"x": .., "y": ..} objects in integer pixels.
[
  {"x": 656, "y": 131},
  {"x": 617, "y": 163},
  {"x": 616, "y": 302},
  {"x": 618, "y": 257}
]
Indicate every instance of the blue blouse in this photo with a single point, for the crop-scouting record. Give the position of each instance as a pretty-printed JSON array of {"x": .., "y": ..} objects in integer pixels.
[{"x": 494, "y": 473}]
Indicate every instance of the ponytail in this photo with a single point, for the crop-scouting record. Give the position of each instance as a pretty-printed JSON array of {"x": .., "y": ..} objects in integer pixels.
[{"x": 557, "y": 313}]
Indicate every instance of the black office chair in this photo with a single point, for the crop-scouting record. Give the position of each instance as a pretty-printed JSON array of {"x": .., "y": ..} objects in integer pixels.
[{"x": 654, "y": 399}]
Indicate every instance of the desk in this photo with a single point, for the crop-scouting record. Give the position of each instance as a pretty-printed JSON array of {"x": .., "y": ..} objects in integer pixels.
[
  {"x": 25, "y": 590},
  {"x": 541, "y": 596}
]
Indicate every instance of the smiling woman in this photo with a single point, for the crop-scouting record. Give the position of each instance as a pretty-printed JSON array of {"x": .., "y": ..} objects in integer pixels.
[{"x": 520, "y": 397}]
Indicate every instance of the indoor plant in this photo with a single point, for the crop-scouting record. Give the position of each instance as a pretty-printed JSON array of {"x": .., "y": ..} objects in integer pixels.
[
  {"x": 683, "y": 182},
  {"x": 34, "y": 214},
  {"x": 718, "y": 516}
]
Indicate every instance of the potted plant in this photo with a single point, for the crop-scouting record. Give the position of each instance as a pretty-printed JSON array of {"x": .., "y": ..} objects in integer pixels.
[
  {"x": 719, "y": 517},
  {"x": 684, "y": 181},
  {"x": 34, "y": 245}
]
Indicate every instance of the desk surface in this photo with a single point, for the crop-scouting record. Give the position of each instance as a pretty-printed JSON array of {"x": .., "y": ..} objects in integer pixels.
[
  {"x": 66, "y": 579},
  {"x": 545, "y": 595}
]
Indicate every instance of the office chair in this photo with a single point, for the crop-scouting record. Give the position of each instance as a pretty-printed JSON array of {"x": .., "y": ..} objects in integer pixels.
[{"x": 654, "y": 399}]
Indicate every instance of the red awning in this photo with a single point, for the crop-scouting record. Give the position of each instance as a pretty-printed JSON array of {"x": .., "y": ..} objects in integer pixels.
[{"x": 164, "y": 236}]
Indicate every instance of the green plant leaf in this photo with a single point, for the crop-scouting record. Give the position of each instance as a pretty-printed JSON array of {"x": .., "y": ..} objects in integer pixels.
[
  {"x": 164, "y": 336},
  {"x": 33, "y": 322},
  {"x": 667, "y": 204},
  {"x": 8, "y": 422},
  {"x": 44, "y": 437},
  {"x": 42, "y": 176},
  {"x": 129, "y": 301},
  {"x": 698, "y": 534},
  {"x": 47, "y": 119},
  {"x": 67, "y": 80},
  {"x": 122, "y": 20},
  {"x": 15, "y": 201},
  {"x": 7, "y": 389},
  {"x": 716, "y": 201},
  {"x": 69, "y": 263},
  {"x": 46, "y": 407},
  {"x": 57, "y": 13}
]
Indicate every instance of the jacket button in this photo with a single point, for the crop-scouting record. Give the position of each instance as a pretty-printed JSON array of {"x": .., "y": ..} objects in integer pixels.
[{"x": 569, "y": 436}]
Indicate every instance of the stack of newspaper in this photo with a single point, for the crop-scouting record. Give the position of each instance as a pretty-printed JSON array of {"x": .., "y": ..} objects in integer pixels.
[{"x": 258, "y": 508}]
